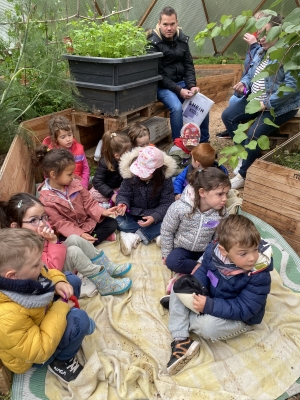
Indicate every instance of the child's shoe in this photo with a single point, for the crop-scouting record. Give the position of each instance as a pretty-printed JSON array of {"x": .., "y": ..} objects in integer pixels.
[
  {"x": 158, "y": 241},
  {"x": 67, "y": 370},
  {"x": 112, "y": 237},
  {"x": 107, "y": 285},
  {"x": 128, "y": 241},
  {"x": 165, "y": 301},
  {"x": 182, "y": 352},
  {"x": 88, "y": 289},
  {"x": 114, "y": 270}
]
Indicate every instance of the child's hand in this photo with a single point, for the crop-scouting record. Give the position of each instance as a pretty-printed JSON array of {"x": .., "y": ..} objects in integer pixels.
[
  {"x": 177, "y": 197},
  {"x": 121, "y": 209},
  {"x": 195, "y": 268},
  {"x": 47, "y": 233},
  {"x": 199, "y": 302},
  {"x": 88, "y": 237},
  {"x": 110, "y": 211},
  {"x": 64, "y": 290},
  {"x": 148, "y": 220}
]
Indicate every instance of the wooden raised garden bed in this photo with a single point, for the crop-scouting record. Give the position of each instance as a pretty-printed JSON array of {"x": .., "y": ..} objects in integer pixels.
[
  {"x": 272, "y": 193},
  {"x": 216, "y": 81}
]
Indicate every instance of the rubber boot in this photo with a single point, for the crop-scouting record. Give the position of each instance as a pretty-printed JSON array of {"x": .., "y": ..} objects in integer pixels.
[
  {"x": 115, "y": 270},
  {"x": 107, "y": 285}
]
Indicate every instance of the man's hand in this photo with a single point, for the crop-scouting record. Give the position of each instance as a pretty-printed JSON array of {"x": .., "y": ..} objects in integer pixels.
[
  {"x": 148, "y": 220},
  {"x": 195, "y": 89},
  {"x": 199, "y": 302},
  {"x": 186, "y": 94}
]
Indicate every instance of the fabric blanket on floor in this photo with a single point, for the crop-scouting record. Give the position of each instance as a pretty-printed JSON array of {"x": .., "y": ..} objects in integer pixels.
[{"x": 127, "y": 355}]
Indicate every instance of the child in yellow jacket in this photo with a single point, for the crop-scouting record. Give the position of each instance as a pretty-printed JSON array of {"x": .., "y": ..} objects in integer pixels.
[{"x": 35, "y": 329}]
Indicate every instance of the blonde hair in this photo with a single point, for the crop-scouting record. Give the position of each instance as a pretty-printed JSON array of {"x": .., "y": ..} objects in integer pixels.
[
  {"x": 24, "y": 241},
  {"x": 237, "y": 230},
  {"x": 204, "y": 154},
  {"x": 137, "y": 130},
  {"x": 114, "y": 143}
]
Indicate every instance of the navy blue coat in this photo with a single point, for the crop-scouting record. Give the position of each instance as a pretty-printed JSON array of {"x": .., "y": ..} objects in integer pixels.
[{"x": 241, "y": 298}]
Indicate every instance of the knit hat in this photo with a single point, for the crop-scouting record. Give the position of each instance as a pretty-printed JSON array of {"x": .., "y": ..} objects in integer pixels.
[
  {"x": 149, "y": 159},
  {"x": 190, "y": 134}
]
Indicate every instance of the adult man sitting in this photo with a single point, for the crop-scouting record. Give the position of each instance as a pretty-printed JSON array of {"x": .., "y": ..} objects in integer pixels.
[{"x": 177, "y": 69}]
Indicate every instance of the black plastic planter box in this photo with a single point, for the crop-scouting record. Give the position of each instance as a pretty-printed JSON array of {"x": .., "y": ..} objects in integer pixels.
[
  {"x": 115, "y": 85},
  {"x": 115, "y": 100}
]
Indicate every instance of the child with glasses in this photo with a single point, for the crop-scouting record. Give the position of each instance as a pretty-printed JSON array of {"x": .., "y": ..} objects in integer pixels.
[
  {"x": 39, "y": 323},
  {"x": 61, "y": 137},
  {"x": 24, "y": 210}
]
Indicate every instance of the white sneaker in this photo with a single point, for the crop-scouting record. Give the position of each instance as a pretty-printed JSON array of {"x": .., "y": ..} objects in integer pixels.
[
  {"x": 237, "y": 182},
  {"x": 88, "y": 289},
  {"x": 158, "y": 241},
  {"x": 237, "y": 168},
  {"x": 128, "y": 241}
]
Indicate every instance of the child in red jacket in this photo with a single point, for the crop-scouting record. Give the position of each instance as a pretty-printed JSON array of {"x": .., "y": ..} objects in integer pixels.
[{"x": 61, "y": 137}]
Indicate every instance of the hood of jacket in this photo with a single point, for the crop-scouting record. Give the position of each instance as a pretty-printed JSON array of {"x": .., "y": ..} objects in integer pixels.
[{"x": 128, "y": 158}]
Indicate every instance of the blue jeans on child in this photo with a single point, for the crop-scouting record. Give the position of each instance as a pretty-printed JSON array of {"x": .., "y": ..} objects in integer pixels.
[
  {"x": 182, "y": 321},
  {"x": 79, "y": 324},
  {"x": 174, "y": 105},
  {"x": 127, "y": 223},
  {"x": 235, "y": 114},
  {"x": 182, "y": 260}
]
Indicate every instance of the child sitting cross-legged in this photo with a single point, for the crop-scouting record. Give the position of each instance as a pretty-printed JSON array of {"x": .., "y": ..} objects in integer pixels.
[
  {"x": 39, "y": 324},
  {"x": 235, "y": 270}
]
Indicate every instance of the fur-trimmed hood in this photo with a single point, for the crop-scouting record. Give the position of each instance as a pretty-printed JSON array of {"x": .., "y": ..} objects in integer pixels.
[{"x": 128, "y": 158}]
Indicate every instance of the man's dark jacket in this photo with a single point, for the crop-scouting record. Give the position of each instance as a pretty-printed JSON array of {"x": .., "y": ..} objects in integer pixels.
[{"x": 176, "y": 64}]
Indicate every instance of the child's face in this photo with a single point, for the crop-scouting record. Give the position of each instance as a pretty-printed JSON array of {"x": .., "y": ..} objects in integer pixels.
[
  {"x": 65, "y": 139},
  {"x": 215, "y": 199},
  {"x": 242, "y": 257},
  {"x": 143, "y": 141},
  {"x": 64, "y": 179},
  {"x": 34, "y": 218},
  {"x": 32, "y": 266}
]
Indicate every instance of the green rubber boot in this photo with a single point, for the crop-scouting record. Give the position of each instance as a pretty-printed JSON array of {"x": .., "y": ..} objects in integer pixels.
[{"x": 107, "y": 285}]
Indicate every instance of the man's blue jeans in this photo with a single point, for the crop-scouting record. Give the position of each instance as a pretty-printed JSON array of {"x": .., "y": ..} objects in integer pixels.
[
  {"x": 235, "y": 114},
  {"x": 78, "y": 326},
  {"x": 174, "y": 105},
  {"x": 128, "y": 224}
]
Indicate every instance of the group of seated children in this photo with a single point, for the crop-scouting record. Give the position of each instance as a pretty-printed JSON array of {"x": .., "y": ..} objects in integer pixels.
[{"x": 56, "y": 235}]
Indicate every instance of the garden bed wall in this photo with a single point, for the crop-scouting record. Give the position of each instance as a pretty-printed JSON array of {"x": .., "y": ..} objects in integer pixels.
[
  {"x": 221, "y": 69},
  {"x": 16, "y": 173},
  {"x": 272, "y": 193}
]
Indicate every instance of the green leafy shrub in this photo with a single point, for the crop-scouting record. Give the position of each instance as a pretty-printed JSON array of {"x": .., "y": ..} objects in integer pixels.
[
  {"x": 219, "y": 59},
  {"x": 121, "y": 39}
]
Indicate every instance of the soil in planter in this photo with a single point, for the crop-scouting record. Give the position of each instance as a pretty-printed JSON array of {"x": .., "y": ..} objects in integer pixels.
[{"x": 288, "y": 158}]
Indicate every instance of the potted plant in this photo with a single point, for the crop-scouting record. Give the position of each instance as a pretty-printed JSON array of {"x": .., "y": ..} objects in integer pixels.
[{"x": 111, "y": 68}]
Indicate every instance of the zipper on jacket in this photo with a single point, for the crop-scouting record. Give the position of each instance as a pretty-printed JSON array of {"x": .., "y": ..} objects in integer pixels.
[{"x": 195, "y": 241}]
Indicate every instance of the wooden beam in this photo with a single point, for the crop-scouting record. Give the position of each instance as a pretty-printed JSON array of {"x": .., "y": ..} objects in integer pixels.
[
  {"x": 239, "y": 31},
  {"x": 147, "y": 12},
  {"x": 207, "y": 20}
]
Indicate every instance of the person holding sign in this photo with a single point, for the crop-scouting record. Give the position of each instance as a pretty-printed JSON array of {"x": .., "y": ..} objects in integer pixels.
[{"x": 177, "y": 69}]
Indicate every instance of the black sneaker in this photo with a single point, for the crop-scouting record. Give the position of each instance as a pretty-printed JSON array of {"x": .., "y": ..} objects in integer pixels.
[
  {"x": 182, "y": 352},
  {"x": 67, "y": 370},
  {"x": 164, "y": 301},
  {"x": 223, "y": 135}
]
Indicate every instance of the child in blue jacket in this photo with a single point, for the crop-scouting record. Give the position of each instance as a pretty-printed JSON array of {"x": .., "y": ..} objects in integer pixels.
[
  {"x": 236, "y": 272},
  {"x": 203, "y": 156}
]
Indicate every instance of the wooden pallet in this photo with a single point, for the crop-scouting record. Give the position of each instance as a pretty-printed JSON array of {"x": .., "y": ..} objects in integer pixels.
[{"x": 115, "y": 124}]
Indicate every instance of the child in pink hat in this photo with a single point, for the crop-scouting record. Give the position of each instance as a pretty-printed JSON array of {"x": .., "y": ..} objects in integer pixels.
[{"x": 144, "y": 196}]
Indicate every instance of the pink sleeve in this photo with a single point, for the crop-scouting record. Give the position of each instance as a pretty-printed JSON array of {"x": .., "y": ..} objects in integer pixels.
[
  {"x": 54, "y": 255},
  {"x": 85, "y": 177}
]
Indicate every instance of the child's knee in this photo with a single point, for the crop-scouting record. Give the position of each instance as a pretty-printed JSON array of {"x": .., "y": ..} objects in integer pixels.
[{"x": 73, "y": 240}]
